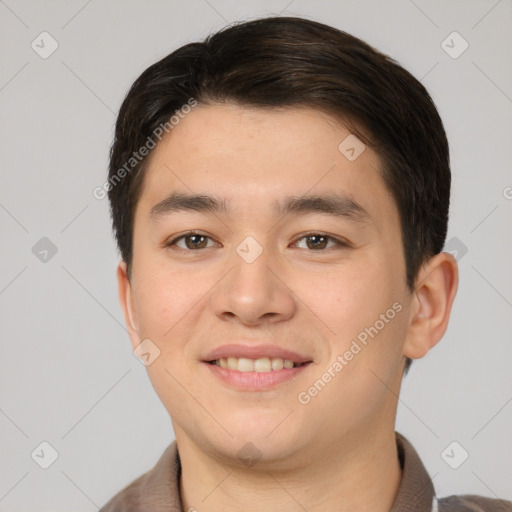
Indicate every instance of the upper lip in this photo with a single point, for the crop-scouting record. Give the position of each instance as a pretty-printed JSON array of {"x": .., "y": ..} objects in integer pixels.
[{"x": 255, "y": 352}]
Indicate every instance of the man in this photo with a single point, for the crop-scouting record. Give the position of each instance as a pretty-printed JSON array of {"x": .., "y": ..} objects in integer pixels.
[{"x": 280, "y": 199}]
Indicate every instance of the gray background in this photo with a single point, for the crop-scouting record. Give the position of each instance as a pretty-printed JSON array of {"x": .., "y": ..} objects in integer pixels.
[{"x": 67, "y": 372}]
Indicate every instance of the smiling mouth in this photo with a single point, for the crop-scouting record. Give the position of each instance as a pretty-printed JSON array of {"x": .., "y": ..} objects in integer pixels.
[{"x": 261, "y": 365}]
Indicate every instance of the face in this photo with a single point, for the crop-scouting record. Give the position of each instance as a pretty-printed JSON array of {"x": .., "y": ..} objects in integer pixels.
[{"x": 279, "y": 305}]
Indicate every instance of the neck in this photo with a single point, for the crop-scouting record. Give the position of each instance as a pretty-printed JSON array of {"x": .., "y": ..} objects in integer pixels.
[{"x": 361, "y": 474}]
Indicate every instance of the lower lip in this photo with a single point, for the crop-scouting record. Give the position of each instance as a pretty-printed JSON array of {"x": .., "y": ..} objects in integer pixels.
[{"x": 255, "y": 381}]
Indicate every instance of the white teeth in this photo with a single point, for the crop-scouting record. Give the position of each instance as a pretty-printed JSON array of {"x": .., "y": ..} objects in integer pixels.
[
  {"x": 277, "y": 363},
  {"x": 245, "y": 365},
  {"x": 262, "y": 365}
]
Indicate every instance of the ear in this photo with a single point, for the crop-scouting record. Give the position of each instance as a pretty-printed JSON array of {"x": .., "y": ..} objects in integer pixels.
[
  {"x": 435, "y": 290},
  {"x": 126, "y": 300}
]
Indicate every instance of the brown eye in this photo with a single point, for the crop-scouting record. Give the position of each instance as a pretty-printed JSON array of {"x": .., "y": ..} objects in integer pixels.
[
  {"x": 192, "y": 241},
  {"x": 195, "y": 241},
  {"x": 319, "y": 241}
]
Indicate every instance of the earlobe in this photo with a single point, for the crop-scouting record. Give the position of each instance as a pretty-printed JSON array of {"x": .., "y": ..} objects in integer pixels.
[
  {"x": 433, "y": 297},
  {"x": 126, "y": 299}
]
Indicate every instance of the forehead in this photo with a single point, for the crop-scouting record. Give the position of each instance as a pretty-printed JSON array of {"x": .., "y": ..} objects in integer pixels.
[{"x": 253, "y": 157}]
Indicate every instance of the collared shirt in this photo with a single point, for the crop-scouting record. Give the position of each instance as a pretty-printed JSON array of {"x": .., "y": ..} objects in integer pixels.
[{"x": 158, "y": 489}]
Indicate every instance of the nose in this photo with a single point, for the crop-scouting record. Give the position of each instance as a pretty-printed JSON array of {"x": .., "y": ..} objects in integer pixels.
[{"x": 255, "y": 291}]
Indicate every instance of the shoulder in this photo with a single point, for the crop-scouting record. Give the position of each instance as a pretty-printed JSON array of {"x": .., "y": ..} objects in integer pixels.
[
  {"x": 155, "y": 490},
  {"x": 473, "y": 503},
  {"x": 128, "y": 498}
]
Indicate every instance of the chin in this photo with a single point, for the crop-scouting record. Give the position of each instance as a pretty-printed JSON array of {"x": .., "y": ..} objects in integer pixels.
[
  {"x": 265, "y": 433},
  {"x": 259, "y": 454}
]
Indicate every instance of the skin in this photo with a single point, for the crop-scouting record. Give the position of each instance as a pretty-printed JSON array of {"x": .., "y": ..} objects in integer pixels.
[{"x": 338, "y": 451}]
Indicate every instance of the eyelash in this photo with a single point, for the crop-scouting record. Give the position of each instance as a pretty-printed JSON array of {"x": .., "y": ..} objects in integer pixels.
[{"x": 339, "y": 244}]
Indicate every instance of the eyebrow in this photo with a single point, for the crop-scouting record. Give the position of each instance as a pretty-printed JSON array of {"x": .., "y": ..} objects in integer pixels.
[{"x": 331, "y": 204}]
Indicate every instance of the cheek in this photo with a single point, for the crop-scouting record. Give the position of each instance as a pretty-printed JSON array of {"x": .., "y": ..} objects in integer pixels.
[
  {"x": 164, "y": 296},
  {"x": 348, "y": 298},
  {"x": 362, "y": 303},
  {"x": 169, "y": 303},
  {"x": 158, "y": 305}
]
